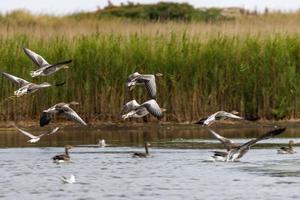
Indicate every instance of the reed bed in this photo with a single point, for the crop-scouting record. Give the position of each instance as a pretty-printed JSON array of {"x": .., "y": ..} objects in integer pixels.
[{"x": 251, "y": 73}]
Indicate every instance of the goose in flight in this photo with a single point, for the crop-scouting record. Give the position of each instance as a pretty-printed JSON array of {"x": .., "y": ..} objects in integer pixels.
[
  {"x": 142, "y": 155},
  {"x": 63, "y": 157},
  {"x": 133, "y": 109},
  {"x": 34, "y": 138},
  {"x": 237, "y": 151},
  {"x": 220, "y": 115},
  {"x": 61, "y": 108},
  {"x": 287, "y": 150},
  {"x": 26, "y": 87},
  {"x": 45, "y": 69},
  {"x": 70, "y": 180},
  {"x": 143, "y": 79}
]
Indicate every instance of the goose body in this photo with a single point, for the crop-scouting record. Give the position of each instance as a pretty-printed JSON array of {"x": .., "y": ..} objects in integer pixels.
[
  {"x": 237, "y": 151},
  {"x": 148, "y": 80},
  {"x": 61, "y": 108},
  {"x": 63, "y": 157},
  {"x": 287, "y": 150},
  {"x": 138, "y": 111},
  {"x": 141, "y": 154},
  {"x": 220, "y": 115},
  {"x": 25, "y": 86},
  {"x": 33, "y": 138},
  {"x": 44, "y": 68}
]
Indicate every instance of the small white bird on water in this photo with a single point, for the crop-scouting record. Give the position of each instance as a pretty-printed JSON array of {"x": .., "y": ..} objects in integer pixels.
[
  {"x": 34, "y": 138},
  {"x": 45, "y": 69},
  {"x": 26, "y": 87},
  {"x": 102, "y": 143},
  {"x": 70, "y": 180},
  {"x": 133, "y": 109}
]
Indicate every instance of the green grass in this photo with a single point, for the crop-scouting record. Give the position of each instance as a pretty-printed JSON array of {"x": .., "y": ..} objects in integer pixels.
[{"x": 249, "y": 73}]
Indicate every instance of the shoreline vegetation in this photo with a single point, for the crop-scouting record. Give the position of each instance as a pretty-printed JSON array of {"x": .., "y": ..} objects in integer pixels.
[{"x": 249, "y": 62}]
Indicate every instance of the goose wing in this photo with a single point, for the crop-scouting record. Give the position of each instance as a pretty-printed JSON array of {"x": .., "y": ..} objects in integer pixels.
[
  {"x": 70, "y": 113},
  {"x": 225, "y": 141},
  {"x": 15, "y": 79},
  {"x": 265, "y": 136},
  {"x": 223, "y": 114},
  {"x": 56, "y": 65},
  {"x": 36, "y": 58},
  {"x": 50, "y": 132},
  {"x": 129, "y": 106},
  {"x": 153, "y": 108},
  {"x": 26, "y": 133},
  {"x": 150, "y": 85},
  {"x": 39, "y": 86}
]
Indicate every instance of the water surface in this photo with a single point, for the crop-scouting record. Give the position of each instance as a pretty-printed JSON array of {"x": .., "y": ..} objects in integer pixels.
[{"x": 179, "y": 166}]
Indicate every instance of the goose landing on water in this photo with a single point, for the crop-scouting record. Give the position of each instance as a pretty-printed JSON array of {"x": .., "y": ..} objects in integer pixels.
[
  {"x": 61, "y": 108},
  {"x": 63, "y": 157},
  {"x": 34, "y": 138},
  {"x": 133, "y": 109},
  {"x": 142, "y": 155},
  {"x": 287, "y": 150},
  {"x": 26, "y": 87},
  {"x": 237, "y": 151},
  {"x": 45, "y": 69},
  {"x": 143, "y": 79},
  {"x": 220, "y": 115}
]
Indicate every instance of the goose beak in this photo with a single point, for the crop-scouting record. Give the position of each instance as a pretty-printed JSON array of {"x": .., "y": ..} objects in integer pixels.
[
  {"x": 163, "y": 110},
  {"x": 66, "y": 67}
]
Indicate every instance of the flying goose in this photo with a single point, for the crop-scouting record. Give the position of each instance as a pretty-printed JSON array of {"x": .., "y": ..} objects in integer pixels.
[
  {"x": 63, "y": 157},
  {"x": 61, "y": 108},
  {"x": 137, "y": 111},
  {"x": 70, "y": 180},
  {"x": 142, "y": 155},
  {"x": 287, "y": 150},
  {"x": 45, "y": 69},
  {"x": 143, "y": 79},
  {"x": 220, "y": 115},
  {"x": 237, "y": 151},
  {"x": 34, "y": 138},
  {"x": 26, "y": 87}
]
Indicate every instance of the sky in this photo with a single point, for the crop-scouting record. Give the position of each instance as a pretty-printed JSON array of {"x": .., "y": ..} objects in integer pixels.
[{"x": 60, "y": 7}]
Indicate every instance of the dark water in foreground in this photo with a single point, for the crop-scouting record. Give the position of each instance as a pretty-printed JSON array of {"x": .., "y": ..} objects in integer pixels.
[{"x": 179, "y": 166}]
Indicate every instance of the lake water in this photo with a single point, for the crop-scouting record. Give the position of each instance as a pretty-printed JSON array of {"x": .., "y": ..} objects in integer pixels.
[{"x": 179, "y": 166}]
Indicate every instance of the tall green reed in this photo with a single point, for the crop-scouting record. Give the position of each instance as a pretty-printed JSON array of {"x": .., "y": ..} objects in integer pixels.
[{"x": 249, "y": 73}]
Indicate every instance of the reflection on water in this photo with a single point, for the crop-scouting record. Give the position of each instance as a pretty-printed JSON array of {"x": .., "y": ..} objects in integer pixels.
[
  {"x": 175, "y": 136},
  {"x": 178, "y": 168}
]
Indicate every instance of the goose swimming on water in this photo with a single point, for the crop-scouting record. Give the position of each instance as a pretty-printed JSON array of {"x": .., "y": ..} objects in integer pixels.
[
  {"x": 63, "y": 157},
  {"x": 143, "y": 79},
  {"x": 61, "y": 108},
  {"x": 34, "y": 138},
  {"x": 45, "y": 69},
  {"x": 136, "y": 110},
  {"x": 287, "y": 150},
  {"x": 26, "y": 87},
  {"x": 220, "y": 115},
  {"x": 143, "y": 155},
  {"x": 237, "y": 151}
]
